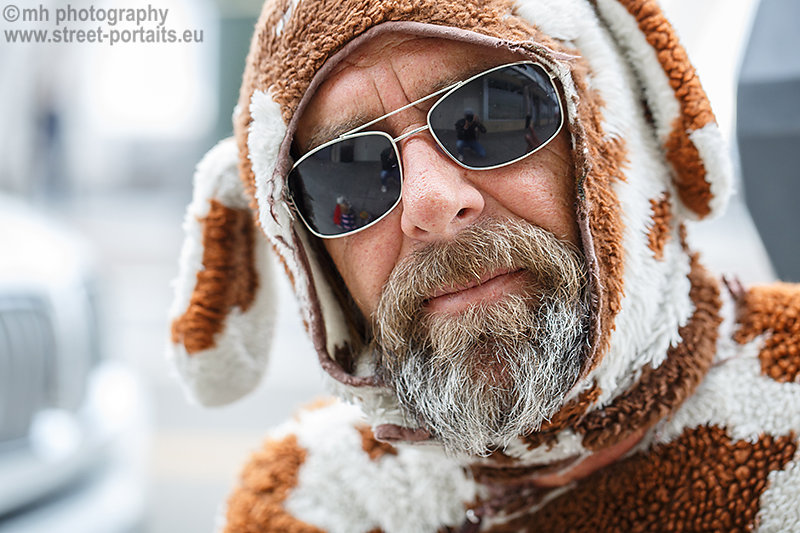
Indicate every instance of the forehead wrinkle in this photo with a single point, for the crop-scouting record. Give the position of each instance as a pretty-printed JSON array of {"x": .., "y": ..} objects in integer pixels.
[{"x": 399, "y": 83}]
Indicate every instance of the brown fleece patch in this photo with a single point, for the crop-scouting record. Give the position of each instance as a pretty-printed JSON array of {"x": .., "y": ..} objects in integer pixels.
[
  {"x": 703, "y": 481},
  {"x": 228, "y": 278},
  {"x": 374, "y": 448},
  {"x": 693, "y": 189},
  {"x": 285, "y": 62},
  {"x": 662, "y": 219},
  {"x": 256, "y": 506},
  {"x": 661, "y": 390},
  {"x": 574, "y": 409},
  {"x": 696, "y": 113},
  {"x": 773, "y": 310},
  {"x": 683, "y": 235},
  {"x": 566, "y": 417}
]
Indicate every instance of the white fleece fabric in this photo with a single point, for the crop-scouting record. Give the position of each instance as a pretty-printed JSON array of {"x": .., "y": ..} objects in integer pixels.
[{"x": 234, "y": 366}]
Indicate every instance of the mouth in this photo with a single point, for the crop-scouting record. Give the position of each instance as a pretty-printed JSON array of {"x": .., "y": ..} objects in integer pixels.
[{"x": 490, "y": 287}]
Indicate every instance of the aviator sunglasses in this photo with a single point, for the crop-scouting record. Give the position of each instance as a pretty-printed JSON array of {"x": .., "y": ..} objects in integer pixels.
[{"x": 488, "y": 121}]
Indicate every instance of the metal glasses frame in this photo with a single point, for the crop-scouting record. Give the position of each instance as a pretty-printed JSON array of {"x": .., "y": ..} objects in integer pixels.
[{"x": 445, "y": 92}]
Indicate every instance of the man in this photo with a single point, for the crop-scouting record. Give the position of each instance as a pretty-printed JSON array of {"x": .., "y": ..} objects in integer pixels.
[
  {"x": 467, "y": 129},
  {"x": 529, "y": 344}
]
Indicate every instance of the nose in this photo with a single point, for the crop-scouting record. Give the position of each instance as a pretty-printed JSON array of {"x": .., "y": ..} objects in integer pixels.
[{"x": 438, "y": 198}]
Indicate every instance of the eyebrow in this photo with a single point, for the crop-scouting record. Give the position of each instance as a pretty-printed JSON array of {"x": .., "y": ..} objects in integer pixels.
[{"x": 327, "y": 132}]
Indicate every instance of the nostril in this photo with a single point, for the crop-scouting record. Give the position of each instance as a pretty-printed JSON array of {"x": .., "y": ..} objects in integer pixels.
[{"x": 461, "y": 212}]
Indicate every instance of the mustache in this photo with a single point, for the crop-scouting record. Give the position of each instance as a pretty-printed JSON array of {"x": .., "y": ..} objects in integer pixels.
[{"x": 555, "y": 269}]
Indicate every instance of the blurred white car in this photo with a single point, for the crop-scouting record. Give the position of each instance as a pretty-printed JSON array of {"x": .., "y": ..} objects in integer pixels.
[{"x": 72, "y": 422}]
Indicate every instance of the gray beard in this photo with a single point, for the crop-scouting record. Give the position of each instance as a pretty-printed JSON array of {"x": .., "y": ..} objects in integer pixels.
[{"x": 482, "y": 378}]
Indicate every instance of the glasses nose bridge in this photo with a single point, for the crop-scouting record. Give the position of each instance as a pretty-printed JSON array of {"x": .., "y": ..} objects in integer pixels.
[
  {"x": 427, "y": 126},
  {"x": 408, "y": 134}
]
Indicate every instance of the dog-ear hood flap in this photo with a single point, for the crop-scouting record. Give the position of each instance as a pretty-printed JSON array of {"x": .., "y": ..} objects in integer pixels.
[
  {"x": 222, "y": 314},
  {"x": 681, "y": 113}
]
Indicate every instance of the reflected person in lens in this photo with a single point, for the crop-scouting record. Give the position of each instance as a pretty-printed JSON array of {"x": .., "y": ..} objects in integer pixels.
[{"x": 467, "y": 130}]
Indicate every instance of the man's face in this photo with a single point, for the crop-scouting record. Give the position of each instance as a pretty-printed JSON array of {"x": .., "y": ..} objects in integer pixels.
[{"x": 438, "y": 263}]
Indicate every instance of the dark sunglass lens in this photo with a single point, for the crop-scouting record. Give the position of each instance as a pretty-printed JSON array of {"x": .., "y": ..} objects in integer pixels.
[
  {"x": 498, "y": 117},
  {"x": 346, "y": 185}
]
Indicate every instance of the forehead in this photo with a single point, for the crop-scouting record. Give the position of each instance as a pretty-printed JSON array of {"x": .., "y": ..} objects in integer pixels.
[{"x": 385, "y": 74}]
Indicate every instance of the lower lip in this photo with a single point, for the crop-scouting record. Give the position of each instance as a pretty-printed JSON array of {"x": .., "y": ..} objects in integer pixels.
[{"x": 491, "y": 290}]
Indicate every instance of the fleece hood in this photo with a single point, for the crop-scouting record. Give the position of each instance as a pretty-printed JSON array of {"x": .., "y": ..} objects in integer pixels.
[{"x": 647, "y": 153}]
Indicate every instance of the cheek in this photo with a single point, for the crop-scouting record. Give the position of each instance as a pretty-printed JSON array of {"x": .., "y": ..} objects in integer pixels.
[
  {"x": 541, "y": 190},
  {"x": 366, "y": 259}
]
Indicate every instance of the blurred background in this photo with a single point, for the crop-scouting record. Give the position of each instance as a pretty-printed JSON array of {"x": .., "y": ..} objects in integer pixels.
[{"x": 97, "y": 149}]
